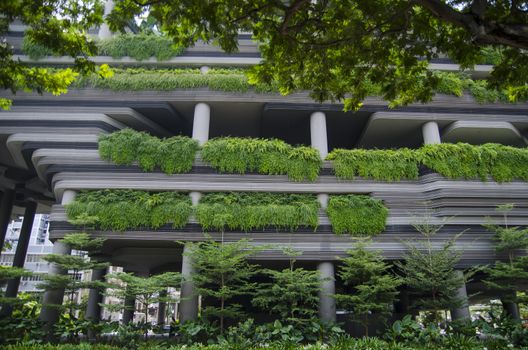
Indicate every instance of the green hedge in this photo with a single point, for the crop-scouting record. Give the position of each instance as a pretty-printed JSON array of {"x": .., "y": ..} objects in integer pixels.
[
  {"x": 357, "y": 215},
  {"x": 249, "y": 211},
  {"x": 456, "y": 161},
  {"x": 270, "y": 157},
  {"x": 172, "y": 155},
  {"x": 120, "y": 210}
]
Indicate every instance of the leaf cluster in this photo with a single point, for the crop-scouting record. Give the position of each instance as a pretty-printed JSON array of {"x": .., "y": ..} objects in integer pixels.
[
  {"x": 140, "y": 46},
  {"x": 173, "y": 155},
  {"x": 270, "y": 157},
  {"x": 128, "y": 209},
  {"x": 248, "y": 211},
  {"x": 459, "y": 160},
  {"x": 357, "y": 215}
]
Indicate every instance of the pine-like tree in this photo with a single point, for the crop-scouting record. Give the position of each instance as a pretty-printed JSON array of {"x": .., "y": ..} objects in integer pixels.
[
  {"x": 372, "y": 288},
  {"x": 510, "y": 276},
  {"x": 429, "y": 271},
  {"x": 222, "y": 274},
  {"x": 292, "y": 293}
]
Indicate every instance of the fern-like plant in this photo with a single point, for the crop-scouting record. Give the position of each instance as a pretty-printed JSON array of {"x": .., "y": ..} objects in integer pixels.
[{"x": 357, "y": 215}]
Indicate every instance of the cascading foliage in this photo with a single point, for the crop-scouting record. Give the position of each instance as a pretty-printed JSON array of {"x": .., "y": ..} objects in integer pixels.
[
  {"x": 358, "y": 215},
  {"x": 250, "y": 211},
  {"x": 121, "y": 210},
  {"x": 455, "y": 161},
  {"x": 172, "y": 155},
  {"x": 270, "y": 157}
]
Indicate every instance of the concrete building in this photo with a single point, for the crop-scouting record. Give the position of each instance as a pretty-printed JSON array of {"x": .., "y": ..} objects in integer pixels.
[{"x": 48, "y": 148}]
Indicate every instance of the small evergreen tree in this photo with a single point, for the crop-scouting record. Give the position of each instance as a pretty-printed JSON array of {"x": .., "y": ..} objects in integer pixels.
[
  {"x": 145, "y": 290},
  {"x": 75, "y": 264},
  {"x": 223, "y": 274},
  {"x": 430, "y": 272},
  {"x": 510, "y": 276},
  {"x": 292, "y": 293},
  {"x": 372, "y": 287}
]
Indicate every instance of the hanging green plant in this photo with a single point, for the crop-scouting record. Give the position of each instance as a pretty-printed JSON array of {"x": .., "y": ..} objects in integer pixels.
[
  {"x": 459, "y": 160},
  {"x": 269, "y": 157},
  {"x": 250, "y": 211},
  {"x": 358, "y": 215},
  {"x": 173, "y": 155},
  {"x": 120, "y": 210},
  {"x": 383, "y": 165}
]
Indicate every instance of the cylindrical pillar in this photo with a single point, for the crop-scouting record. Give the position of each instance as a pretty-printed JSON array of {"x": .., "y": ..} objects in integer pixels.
[
  {"x": 202, "y": 116},
  {"x": 510, "y": 306},
  {"x": 6, "y": 207},
  {"x": 128, "y": 312},
  {"x": 53, "y": 298},
  {"x": 461, "y": 312},
  {"x": 204, "y": 69},
  {"x": 323, "y": 200},
  {"x": 162, "y": 306},
  {"x": 318, "y": 133},
  {"x": 188, "y": 298},
  {"x": 95, "y": 297},
  {"x": 20, "y": 254},
  {"x": 195, "y": 197},
  {"x": 104, "y": 30},
  {"x": 431, "y": 133},
  {"x": 327, "y": 307}
]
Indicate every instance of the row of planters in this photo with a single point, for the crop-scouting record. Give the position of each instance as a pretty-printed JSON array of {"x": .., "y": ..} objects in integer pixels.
[
  {"x": 224, "y": 277},
  {"x": 275, "y": 157},
  {"x": 121, "y": 210}
]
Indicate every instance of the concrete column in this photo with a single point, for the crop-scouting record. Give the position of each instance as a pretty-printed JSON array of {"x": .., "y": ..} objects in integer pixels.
[
  {"x": 95, "y": 297},
  {"x": 162, "y": 306},
  {"x": 327, "y": 307},
  {"x": 53, "y": 298},
  {"x": 189, "y": 299},
  {"x": 195, "y": 197},
  {"x": 6, "y": 207},
  {"x": 128, "y": 312},
  {"x": 202, "y": 117},
  {"x": 511, "y": 308},
  {"x": 318, "y": 133},
  {"x": 431, "y": 133},
  {"x": 323, "y": 200},
  {"x": 20, "y": 254},
  {"x": 204, "y": 69},
  {"x": 104, "y": 30},
  {"x": 462, "y": 312}
]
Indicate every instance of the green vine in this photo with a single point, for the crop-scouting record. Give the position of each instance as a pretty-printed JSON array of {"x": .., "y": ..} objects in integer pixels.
[
  {"x": 119, "y": 210},
  {"x": 357, "y": 215},
  {"x": 270, "y": 157},
  {"x": 139, "y": 46},
  {"x": 249, "y": 211},
  {"x": 456, "y": 161},
  {"x": 383, "y": 165},
  {"x": 173, "y": 155}
]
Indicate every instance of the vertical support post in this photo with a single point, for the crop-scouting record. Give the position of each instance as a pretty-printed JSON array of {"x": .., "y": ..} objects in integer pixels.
[
  {"x": 162, "y": 306},
  {"x": 202, "y": 117},
  {"x": 128, "y": 312},
  {"x": 104, "y": 30},
  {"x": 204, "y": 69},
  {"x": 6, "y": 207},
  {"x": 431, "y": 133},
  {"x": 461, "y": 312},
  {"x": 327, "y": 307},
  {"x": 54, "y": 297},
  {"x": 189, "y": 299},
  {"x": 511, "y": 308},
  {"x": 95, "y": 297},
  {"x": 318, "y": 133},
  {"x": 20, "y": 255}
]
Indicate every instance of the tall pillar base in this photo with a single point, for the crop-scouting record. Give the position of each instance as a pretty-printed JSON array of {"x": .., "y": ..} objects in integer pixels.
[{"x": 327, "y": 307}]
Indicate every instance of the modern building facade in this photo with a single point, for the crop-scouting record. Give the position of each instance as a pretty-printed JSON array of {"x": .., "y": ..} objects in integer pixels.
[{"x": 48, "y": 149}]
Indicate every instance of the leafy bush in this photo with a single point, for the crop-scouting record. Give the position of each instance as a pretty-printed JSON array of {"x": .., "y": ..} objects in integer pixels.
[
  {"x": 356, "y": 214},
  {"x": 173, "y": 155},
  {"x": 35, "y": 51},
  {"x": 452, "y": 160},
  {"x": 249, "y": 211},
  {"x": 384, "y": 165},
  {"x": 127, "y": 209},
  {"x": 270, "y": 157},
  {"x": 139, "y": 46}
]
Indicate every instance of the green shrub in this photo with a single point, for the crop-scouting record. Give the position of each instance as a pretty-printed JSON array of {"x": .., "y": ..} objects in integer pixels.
[
  {"x": 120, "y": 210},
  {"x": 249, "y": 211},
  {"x": 270, "y": 157},
  {"x": 173, "y": 155},
  {"x": 384, "y": 165},
  {"x": 139, "y": 46},
  {"x": 357, "y": 215},
  {"x": 35, "y": 51},
  {"x": 459, "y": 160}
]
